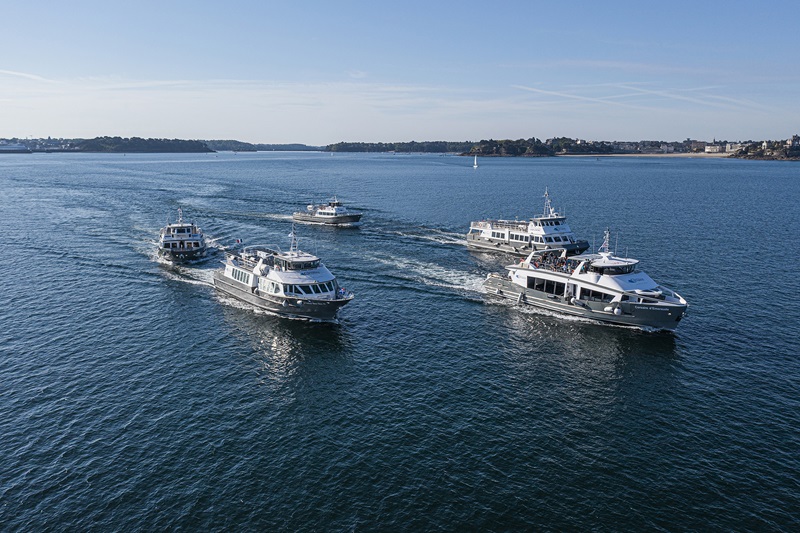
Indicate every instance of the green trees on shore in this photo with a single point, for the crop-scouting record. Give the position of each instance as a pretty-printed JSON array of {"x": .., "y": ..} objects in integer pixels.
[
  {"x": 138, "y": 145},
  {"x": 402, "y": 147}
]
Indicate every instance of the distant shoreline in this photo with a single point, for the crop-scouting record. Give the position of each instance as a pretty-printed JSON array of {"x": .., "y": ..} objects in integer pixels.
[{"x": 682, "y": 154}]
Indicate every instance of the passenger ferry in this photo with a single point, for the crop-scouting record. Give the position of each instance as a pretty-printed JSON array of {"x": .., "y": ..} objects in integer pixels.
[
  {"x": 293, "y": 284},
  {"x": 598, "y": 286},
  {"x": 550, "y": 230},
  {"x": 332, "y": 213},
  {"x": 181, "y": 241}
]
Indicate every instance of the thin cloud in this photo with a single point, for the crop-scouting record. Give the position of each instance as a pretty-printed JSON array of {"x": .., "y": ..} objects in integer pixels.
[
  {"x": 26, "y": 76},
  {"x": 608, "y": 100},
  {"x": 706, "y": 100}
]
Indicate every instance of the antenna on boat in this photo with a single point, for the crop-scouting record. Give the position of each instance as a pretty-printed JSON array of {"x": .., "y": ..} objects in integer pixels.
[
  {"x": 293, "y": 245},
  {"x": 546, "y": 202},
  {"x": 604, "y": 246}
]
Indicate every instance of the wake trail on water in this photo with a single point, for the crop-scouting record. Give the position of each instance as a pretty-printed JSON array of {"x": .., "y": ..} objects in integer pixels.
[
  {"x": 431, "y": 274},
  {"x": 437, "y": 236}
]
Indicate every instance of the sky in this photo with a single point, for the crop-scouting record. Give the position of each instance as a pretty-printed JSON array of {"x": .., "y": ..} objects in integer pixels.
[{"x": 322, "y": 72}]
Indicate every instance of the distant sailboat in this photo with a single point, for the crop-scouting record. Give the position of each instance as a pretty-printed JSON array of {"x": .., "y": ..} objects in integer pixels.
[{"x": 475, "y": 163}]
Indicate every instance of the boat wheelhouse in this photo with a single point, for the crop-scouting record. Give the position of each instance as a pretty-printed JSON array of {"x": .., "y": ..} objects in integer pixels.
[
  {"x": 181, "y": 241},
  {"x": 294, "y": 284},
  {"x": 598, "y": 286},
  {"x": 548, "y": 231},
  {"x": 331, "y": 213}
]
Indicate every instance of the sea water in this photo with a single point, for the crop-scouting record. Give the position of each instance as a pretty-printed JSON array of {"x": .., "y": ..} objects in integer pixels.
[{"x": 135, "y": 397}]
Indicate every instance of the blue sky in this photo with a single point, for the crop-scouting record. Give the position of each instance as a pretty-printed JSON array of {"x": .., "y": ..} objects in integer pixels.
[{"x": 323, "y": 72}]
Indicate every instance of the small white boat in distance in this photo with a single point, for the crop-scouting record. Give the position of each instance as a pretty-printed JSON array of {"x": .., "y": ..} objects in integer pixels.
[
  {"x": 333, "y": 213},
  {"x": 475, "y": 162}
]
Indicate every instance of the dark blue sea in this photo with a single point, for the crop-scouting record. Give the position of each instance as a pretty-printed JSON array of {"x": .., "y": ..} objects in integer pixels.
[{"x": 135, "y": 398}]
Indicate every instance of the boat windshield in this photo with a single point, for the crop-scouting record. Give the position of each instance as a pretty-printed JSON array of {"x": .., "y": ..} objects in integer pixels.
[
  {"x": 613, "y": 270},
  {"x": 298, "y": 265}
]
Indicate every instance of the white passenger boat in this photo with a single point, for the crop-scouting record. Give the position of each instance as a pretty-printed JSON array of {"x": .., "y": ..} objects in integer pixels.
[
  {"x": 181, "y": 241},
  {"x": 548, "y": 231},
  {"x": 293, "y": 284},
  {"x": 597, "y": 286},
  {"x": 331, "y": 213}
]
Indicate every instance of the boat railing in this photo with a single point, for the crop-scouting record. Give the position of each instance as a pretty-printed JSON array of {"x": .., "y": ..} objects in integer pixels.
[
  {"x": 181, "y": 236},
  {"x": 552, "y": 262},
  {"x": 506, "y": 224}
]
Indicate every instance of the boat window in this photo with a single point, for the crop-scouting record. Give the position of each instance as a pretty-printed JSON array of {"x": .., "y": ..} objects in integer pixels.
[
  {"x": 597, "y": 296},
  {"x": 614, "y": 271},
  {"x": 240, "y": 275},
  {"x": 305, "y": 265},
  {"x": 536, "y": 284},
  {"x": 554, "y": 287},
  {"x": 548, "y": 239}
]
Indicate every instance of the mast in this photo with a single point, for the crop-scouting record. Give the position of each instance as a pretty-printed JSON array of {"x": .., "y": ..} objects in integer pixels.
[
  {"x": 293, "y": 245},
  {"x": 548, "y": 209},
  {"x": 604, "y": 246}
]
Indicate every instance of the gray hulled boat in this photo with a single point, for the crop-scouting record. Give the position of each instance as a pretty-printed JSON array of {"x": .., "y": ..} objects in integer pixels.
[
  {"x": 331, "y": 213},
  {"x": 597, "y": 286},
  {"x": 548, "y": 231},
  {"x": 294, "y": 284},
  {"x": 181, "y": 241}
]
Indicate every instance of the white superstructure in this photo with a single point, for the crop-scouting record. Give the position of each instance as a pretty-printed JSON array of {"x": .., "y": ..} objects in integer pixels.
[
  {"x": 547, "y": 231},
  {"x": 181, "y": 241},
  {"x": 293, "y": 283},
  {"x": 332, "y": 213},
  {"x": 599, "y": 286}
]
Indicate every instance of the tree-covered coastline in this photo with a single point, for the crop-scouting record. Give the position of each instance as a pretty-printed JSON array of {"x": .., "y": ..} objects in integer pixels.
[
  {"x": 134, "y": 145},
  {"x": 763, "y": 150}
]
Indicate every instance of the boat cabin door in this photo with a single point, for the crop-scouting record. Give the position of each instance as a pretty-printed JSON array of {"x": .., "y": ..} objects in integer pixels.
[{"x": 571, "y": 291}]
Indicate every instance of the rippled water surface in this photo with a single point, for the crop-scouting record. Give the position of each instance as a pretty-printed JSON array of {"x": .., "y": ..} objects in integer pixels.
[{"x": 133, "y": 397}]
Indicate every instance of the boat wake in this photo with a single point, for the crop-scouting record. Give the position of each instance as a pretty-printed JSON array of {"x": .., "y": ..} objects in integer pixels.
[
  {"x": 431, "y": 274},
  {"x": 434, "y": 235},
  {"x": 273, "y": 216}
]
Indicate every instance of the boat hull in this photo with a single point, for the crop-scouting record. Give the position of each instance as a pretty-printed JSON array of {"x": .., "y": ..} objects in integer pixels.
[
  {"x": 324, "y": 310},
  {"x": 330, "y": 221},
  {"x": 642, "y": 315},
  {"x": 182, "y": 256},
  {"x": 478, "y": 243}
]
